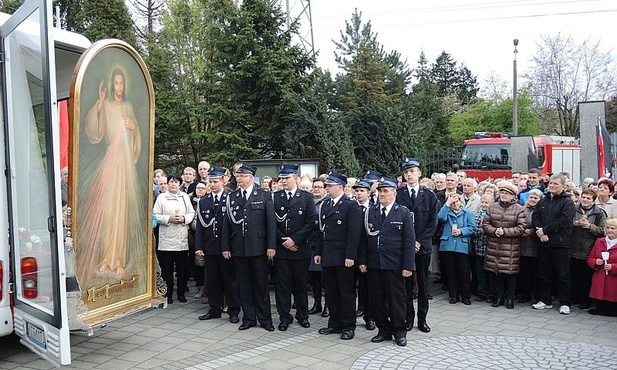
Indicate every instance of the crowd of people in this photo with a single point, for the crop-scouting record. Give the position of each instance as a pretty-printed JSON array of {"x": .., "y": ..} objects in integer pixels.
[{"x": 375, "y": 241}]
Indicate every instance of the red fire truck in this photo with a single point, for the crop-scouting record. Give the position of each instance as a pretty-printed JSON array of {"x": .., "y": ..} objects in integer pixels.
[{"x": 490, "y": 155}]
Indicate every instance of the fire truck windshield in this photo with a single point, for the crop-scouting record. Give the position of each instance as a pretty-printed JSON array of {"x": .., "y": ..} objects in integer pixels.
[{"x": 486, "y": 156}]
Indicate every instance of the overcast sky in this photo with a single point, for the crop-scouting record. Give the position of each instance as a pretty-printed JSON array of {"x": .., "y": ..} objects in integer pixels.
[{"x": 478, "y": 33}]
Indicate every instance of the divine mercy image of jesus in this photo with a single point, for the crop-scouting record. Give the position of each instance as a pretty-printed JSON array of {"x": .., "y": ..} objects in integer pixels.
[{"x": 113, "y": 181}]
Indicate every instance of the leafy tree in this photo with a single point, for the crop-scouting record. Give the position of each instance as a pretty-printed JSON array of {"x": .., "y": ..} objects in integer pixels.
[
  {"x": 611, "y": 114},
  {"x": 495, "y": 115},
  {"x": 565, "y": 73}
]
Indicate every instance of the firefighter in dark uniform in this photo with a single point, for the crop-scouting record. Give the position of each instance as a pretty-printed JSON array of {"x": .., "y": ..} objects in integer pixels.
[
  {"x": 424, "y": 205},
  {"x": 220, "y": 272},
  {"x": 390, "y": 258},
  {"x": 362, "y": 191},
  {"x": 249, "y": 237},
  {"x": 338, "y": 239},
  {"x": 295, "y": 221}
]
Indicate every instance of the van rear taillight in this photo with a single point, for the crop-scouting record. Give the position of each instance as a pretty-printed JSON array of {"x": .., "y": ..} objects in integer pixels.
[{"x": 29, "y": 277}]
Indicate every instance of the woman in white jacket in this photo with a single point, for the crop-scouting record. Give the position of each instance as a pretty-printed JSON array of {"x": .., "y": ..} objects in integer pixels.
[{"x": 174, "y": 213}]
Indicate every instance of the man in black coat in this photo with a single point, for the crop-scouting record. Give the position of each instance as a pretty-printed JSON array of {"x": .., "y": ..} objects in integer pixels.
[
  {"x": 295, "y": 220},
  {"x": 249, "y": 237},
  {"x": 553, "y": 221},
  {"x": 338, "y": 239},
  {"x": 390, "y": 258},
  {"x": 220, "y": 273},
  {"x": 424, "y": 205}
]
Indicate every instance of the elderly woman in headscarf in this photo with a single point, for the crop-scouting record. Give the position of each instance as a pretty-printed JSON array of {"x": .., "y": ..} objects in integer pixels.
[
  {"x": 458, "y": 228},
  {"x": 503, "y": 225},
  {"x": 589, "y": 222},
  {"x": 528, "y": 267}
]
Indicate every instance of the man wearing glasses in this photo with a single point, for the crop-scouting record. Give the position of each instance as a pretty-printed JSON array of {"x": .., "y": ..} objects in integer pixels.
[{"x": 249, "y": 237}]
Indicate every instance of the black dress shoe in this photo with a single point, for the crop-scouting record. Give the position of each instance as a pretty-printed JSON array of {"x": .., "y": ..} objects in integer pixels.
[
  {"x": 209, "y": 316},
  {"x": 348, "y": 334},
  {"x": 423, "y": 326},
  {"x": 304, "y": 323},
  {"x": 315, "y": 309},
  {"x": 429, "y": 297},
  {"x": 480, "y": 298},
  {"x": 170, "y": 300},
  {"x": 270, "y": 327},
  {"x": 360, "y": 312},
  {"x": 408, "y": 325},
  {"x": 466, "y": 301},
  {"x": 234, "y": 319},
  {"x": 325, "y": 312},
  {"x": 509, "y": 303},
  {"x": 246, "y": 325},
  {"x": 370, "y": 325},
  {"x": 497, "y": 303},
  {"x": 182, "y": 299},
  {"x": 326, "y": 331},
  {"x": 381, "y": 338},
  {"x": 401, "y": 341},
  {"x": 283, "y": 326},
  {"x": 453, "y": 300}
]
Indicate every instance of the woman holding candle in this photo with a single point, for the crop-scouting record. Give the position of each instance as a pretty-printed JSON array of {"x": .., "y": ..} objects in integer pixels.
[{"x": 603, "y": 259}]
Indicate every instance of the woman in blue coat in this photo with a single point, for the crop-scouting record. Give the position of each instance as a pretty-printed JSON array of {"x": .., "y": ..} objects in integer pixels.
[{"x": 459, "y": 226}]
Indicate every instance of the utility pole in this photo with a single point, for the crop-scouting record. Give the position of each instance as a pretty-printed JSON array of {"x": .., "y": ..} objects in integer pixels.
[{"x": 514, "y": 94}]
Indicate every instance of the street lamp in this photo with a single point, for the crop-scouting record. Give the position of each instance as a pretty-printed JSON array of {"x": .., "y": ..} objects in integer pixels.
[{"x": 514, "y": 94}]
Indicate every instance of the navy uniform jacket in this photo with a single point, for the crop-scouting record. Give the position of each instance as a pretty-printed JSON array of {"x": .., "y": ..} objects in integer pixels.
[
  {"x": 295, "y": 219},
  {"x": 391, "y": 243},
  {"x": 425, "y": 208},
  {"x": 340, "y": 230},
  {"x": 209, "y": 226},
  {"x": 250, "y": 227}
]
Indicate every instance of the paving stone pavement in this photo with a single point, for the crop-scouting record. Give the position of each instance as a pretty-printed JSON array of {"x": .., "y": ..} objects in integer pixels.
[{"x": 471, "y": 337}]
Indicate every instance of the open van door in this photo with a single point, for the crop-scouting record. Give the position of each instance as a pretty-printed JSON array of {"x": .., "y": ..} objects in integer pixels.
[{"x": 31, "y": 130}]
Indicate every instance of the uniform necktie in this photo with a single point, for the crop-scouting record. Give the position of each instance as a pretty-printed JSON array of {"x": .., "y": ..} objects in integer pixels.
[
  {"x": 289, "y": 195},
  {"x": 332, "y": 203},
  {"x": 413, "y": 193},
  {"x": 216, "y": 200},
  {"x": 363, "y": 209},
  {"x": 383, "y": 214},
  {"x": 244, "y": 195}
]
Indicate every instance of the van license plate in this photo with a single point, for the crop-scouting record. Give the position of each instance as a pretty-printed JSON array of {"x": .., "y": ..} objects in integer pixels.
[{"x": 36, "y": 335}]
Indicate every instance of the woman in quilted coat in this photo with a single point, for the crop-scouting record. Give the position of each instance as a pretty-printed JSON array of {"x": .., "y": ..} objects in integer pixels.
[{"x": 503, "y": 225}]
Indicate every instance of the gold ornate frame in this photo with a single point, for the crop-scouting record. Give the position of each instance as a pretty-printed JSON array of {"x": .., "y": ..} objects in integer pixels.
[{"x": 110, "y": 294}]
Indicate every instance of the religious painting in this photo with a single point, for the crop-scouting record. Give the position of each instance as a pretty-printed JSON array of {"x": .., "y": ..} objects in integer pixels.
[{"x": 112, "y": 122}]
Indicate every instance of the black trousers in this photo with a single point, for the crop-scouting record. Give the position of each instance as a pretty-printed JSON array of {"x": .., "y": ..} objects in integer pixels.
[
  {"x": 167, "y": 261},
  {"x": 341, "y": 292},
  {"x": 388, "y": 301},
  {"x": 581, "y": 281},
  {"x": 221, "y": 278},
  {"x": 502, "y": 285},
  {"x": 291, "y": 277},
  {"x": 422, "y": 274},
  {"x": 528, "y": 278},
  {"x": 363, "y": 295},
  {"x": 459, "y": 280},
  {"x": 252, "y": 275},
  {"x": 315, "y": 279},
  {"x": 550, "y": 258}
]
